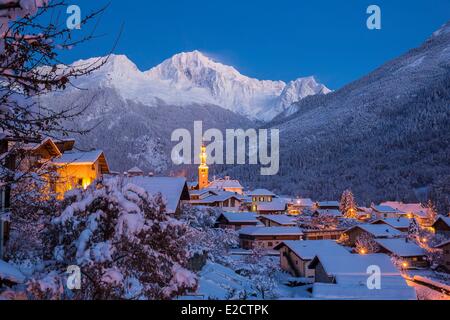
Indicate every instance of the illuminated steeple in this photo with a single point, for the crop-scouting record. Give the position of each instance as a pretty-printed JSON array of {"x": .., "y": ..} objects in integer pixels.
[{"x": 203, "y": 170}]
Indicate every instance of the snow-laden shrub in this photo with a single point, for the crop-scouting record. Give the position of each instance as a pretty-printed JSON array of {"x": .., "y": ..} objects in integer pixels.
[{"x": 124, "y": 242}]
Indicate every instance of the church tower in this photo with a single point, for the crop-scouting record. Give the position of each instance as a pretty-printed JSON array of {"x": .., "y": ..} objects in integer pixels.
[{"x": 203, "y": 170}]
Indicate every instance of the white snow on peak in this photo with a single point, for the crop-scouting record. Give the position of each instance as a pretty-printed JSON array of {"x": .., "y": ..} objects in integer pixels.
[
  {"x": 192, "y": 77},
  {"x": 443, "y": 30}
]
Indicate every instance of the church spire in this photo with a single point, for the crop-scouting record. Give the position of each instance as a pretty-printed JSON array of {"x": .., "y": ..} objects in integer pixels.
[{"x": 203, "y": 169}]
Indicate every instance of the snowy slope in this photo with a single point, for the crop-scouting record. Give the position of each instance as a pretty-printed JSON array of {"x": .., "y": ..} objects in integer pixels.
[
  {"x": 192, "y": 77},
  {"x": 386, "y": 136}
]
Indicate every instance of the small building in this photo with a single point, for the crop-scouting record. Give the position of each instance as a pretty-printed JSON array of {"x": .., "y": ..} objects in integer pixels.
[
  {"x": 445, "y": 247},
  {"x": 237, "y": 221},
  {"x": 135, "y": 172},
  {"x": 228, "y": 201},
  {"x": 344, "y": 277},
  {"x": 384, "y": 212},
  {"x": 78, "y": 170},
  {"x": 261, "y": 195},
  {"x": 328, "y": 212},
  {"x": 298, "y": 205},
  {"x": 327, "y": 205},
  {"x": 277, "y": 220},
  {"x": 277, "y": 206},
  {"x": 227, "y": 184},
  {"x": 442, "y": 226},
  {"x": 323, "y": 234},
  {"x": 411, "y": 254},
  {"x": 173, "y": 190},
  {"x": 376, "y": 231},
  {"x": 267, "y": 237},
  {"x": 295, "y": 256},
  {"x": 412, "y": 210},
  {"x": 401, "y": 224}
]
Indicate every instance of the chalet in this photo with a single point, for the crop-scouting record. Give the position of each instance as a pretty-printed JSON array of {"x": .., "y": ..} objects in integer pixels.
[
  {"x": 226, "y": 184},
  {"x": 384, "y": 212},
  {"x": 79, "y": 169},
  {"x": 401, "y": 224},
  {"x": 228, "y": 201},
  {"x": 261, "y": 195},
  {"x": 323, "y": 234},
  {"x": 9, "y": 275},
  {"x": 445, "y": 247},
  {"x": 297, "y": 206},
  {"x": 327, "y": 205},
  {"x": 410, "y": 253},
  {"x": 376, "y": 231},
  {"x": 202, "y": 194},
  {"x": 442, "y": 226},
  {"x": 135, "y": 172},
  {"x": 267, "y": 237},
  {"x": 237, "y": 221},
  {"x": 328, "y": 212},
  {"x": 277, "y": 206},
  {"x": 412, "y": 210},
  {"x": 295, "y": 256},
  {"x": 364, "y": 214},
  {"x": 344, "y": 277},
  {"x": 173, "y": 190},
  {"x": 277, "y": 220}
]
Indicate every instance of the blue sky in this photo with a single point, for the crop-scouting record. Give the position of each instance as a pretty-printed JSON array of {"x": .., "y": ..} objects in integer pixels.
[{"x": 277, "y": 39}]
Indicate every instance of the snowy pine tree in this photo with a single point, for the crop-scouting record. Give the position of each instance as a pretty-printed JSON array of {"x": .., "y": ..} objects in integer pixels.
[{"x": 348, "y": 205}]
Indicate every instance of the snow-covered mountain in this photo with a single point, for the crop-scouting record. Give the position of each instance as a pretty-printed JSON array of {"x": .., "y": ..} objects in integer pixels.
[{"x": 192, "y": 77}]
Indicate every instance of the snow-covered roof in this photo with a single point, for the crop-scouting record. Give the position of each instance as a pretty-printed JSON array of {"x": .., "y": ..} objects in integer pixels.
[
  {"x": 401, "y": 247},
  {"x": 415, "y": 208},
  {"x": 330, "y": 212},
  {"x": 135, "y": 170},
  {"x": 84, "y": 158},
  {"x": 378, "y": 230},
  {"x": 10, "y": 273},
  {"x": 446, "y": 220},
  {"x": 270, "y": 231},
  {"x": 304, "y": 202},
  {"x": 225, "y": 184},
  {"x": 172, "y": 189},
  {"x": 440, "y": 246},
  {"x": 395, "y": 222},
  {"x": 386, "y": 209},
  {"x": 219, "y": 196},
  {"x": 328, "y": 204},
  {"x": 275, "y": 205},
  {"x": 308, "y": 249},
  {"x": 241, "y": 217},
  {"x": 351, "y": 274},
  {"x": 260, "y": 192},
  {"x": 280, "y": 219}
]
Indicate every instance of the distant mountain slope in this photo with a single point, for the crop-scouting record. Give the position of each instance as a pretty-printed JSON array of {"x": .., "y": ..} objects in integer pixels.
[
  {"x": 385, "y": 136},
  {"x": 192, "y": 78}
]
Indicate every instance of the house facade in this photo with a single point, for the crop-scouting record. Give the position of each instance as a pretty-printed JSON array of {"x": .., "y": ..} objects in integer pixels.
[
  {"x": 442, "y": 226},
  {"x": 376, "y": 231},
  {"x": 445, "y": 247},
  {"x": 237, "y": 221},
  {"x": 267, "y": 237}
]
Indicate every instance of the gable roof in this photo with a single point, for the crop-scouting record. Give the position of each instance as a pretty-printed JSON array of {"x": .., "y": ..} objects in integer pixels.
[
  {"x": 445, "y": 220},
  {"x": 330, "y": 212},
  {"x": 242, "y": 217},
  {"x": 47, "y": 144},
  {"x": 275, "y": 205},
  {"x": 218, "y": 196},
  {"x": 401, "y": 247},
  {"x": 440, "y": 246},
  {"x": 415, "y": 208},
  {"x": 172, "y": 189},
  {"x": 308, "y": 249},
  {"x": 260, "y": 192},
  {"x": 378, "y": 230},
  {"x": 386, "y": 209},
  {"x": 304, "y": 202},
  {"x": 280, "y": 219},
  {"x": 269, "y": 231},
  {"x": 225, "y": 184},
  {"x": 394, "y": 222},
  {"x": 84, "y": 158}
]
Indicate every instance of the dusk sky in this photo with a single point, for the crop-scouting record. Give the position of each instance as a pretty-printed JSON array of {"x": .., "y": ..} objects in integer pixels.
[{"x": 276, "y": 40}]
